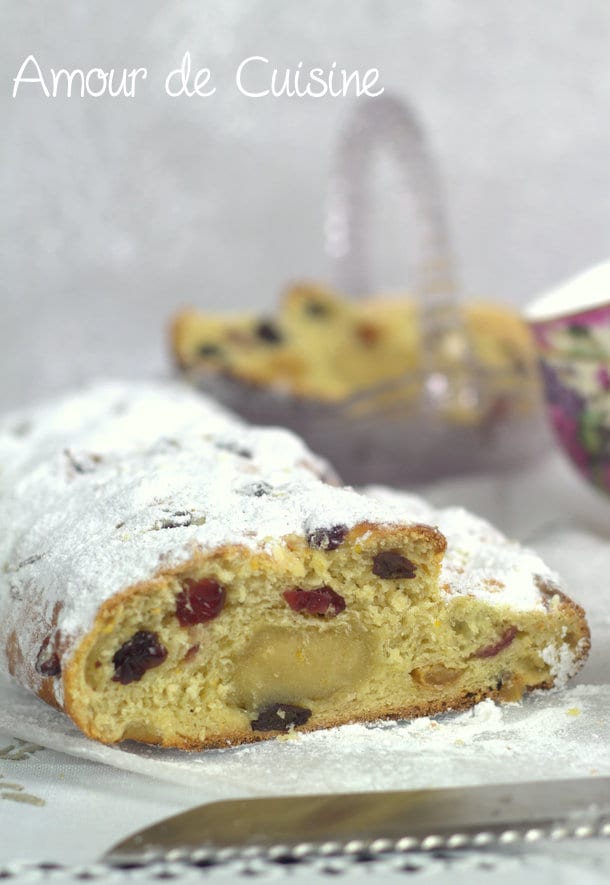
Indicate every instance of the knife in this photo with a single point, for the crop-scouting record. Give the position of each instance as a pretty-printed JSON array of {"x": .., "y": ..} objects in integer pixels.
[{"x": 373, "y": 823}]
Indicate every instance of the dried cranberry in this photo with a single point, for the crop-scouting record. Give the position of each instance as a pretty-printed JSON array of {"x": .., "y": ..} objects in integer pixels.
[
  {"x": 199, "y": 601},
  {"x": 268, "y": 331},
  {"x": 391, "y": 564},
  {"x": 280, "y": 717},
  {"x": 490, "y": 651},
  {"x": 47, "y": 662},
  {"x": 327, "y": 539},
  {"x": 323, "y": 601},
  {"x": 140, "y": 653}
]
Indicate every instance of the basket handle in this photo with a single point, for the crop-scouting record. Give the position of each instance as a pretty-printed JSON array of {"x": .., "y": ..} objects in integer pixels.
[{"x": 388, "y": 123}]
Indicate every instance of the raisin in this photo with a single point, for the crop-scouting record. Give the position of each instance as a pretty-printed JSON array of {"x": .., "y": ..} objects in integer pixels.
[
  {"x": 322, "y": 601},
  {"x": 47, "y": 662},
  {"x": 490, "y": 651},
  {"x": 140, "y": 653},
  {"x": 391, "y": 564},
  {"x": 316, "y": 309},
  {"x": 234, "y": 448},
  {"x": 179, "y": 519},
  {"x": 205, "y": 350},
  {"x": 327, "y": 539},
  {"x": 268, "y": 331},
  {"x": 199, "y": 601},
  {"x": 280, "y": 717},
  {"x": 256, "y": 489},
  {"x": 82, "y": 462}
]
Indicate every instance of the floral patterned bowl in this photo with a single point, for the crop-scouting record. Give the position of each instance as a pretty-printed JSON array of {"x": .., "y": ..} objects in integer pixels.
[{"x": 571, "y": 327}]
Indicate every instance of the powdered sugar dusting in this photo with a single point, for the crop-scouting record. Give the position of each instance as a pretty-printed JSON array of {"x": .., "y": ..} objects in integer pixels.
[{"x": 561, "y": 662}]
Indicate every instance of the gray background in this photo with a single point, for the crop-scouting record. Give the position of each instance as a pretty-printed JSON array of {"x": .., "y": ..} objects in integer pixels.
[{"x": 114, "y": 212}]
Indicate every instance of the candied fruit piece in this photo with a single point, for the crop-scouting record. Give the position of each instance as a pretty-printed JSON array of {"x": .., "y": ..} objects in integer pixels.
[
  {"x": 140, "y": 653},
  {"x": 368, "y": 333},
  {"x": 512, "y": 688},
  {"x": 322, "y": 601},
  {"x": 280, "y": 717},
  {"x": 490, "y": 651},
  {"x": 435, "y": 675},
  {"x": 47, "y": 661},
  {"x": 327, "y": 539},
  {"x": 199, "y": 601},
  {"x": 393, "y": 565},
  {"x": 256, "y": 489}
]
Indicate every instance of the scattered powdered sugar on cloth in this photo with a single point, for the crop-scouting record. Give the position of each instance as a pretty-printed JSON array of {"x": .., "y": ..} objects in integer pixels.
[{"x": 548, "y": 735}]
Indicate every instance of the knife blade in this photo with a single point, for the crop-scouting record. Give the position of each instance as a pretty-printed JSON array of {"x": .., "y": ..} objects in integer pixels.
[{"x": 353, "y": 823}]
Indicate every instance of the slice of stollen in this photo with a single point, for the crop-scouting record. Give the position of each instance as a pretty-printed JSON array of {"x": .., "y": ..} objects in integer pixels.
[{"x": 172, "y": 575}]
